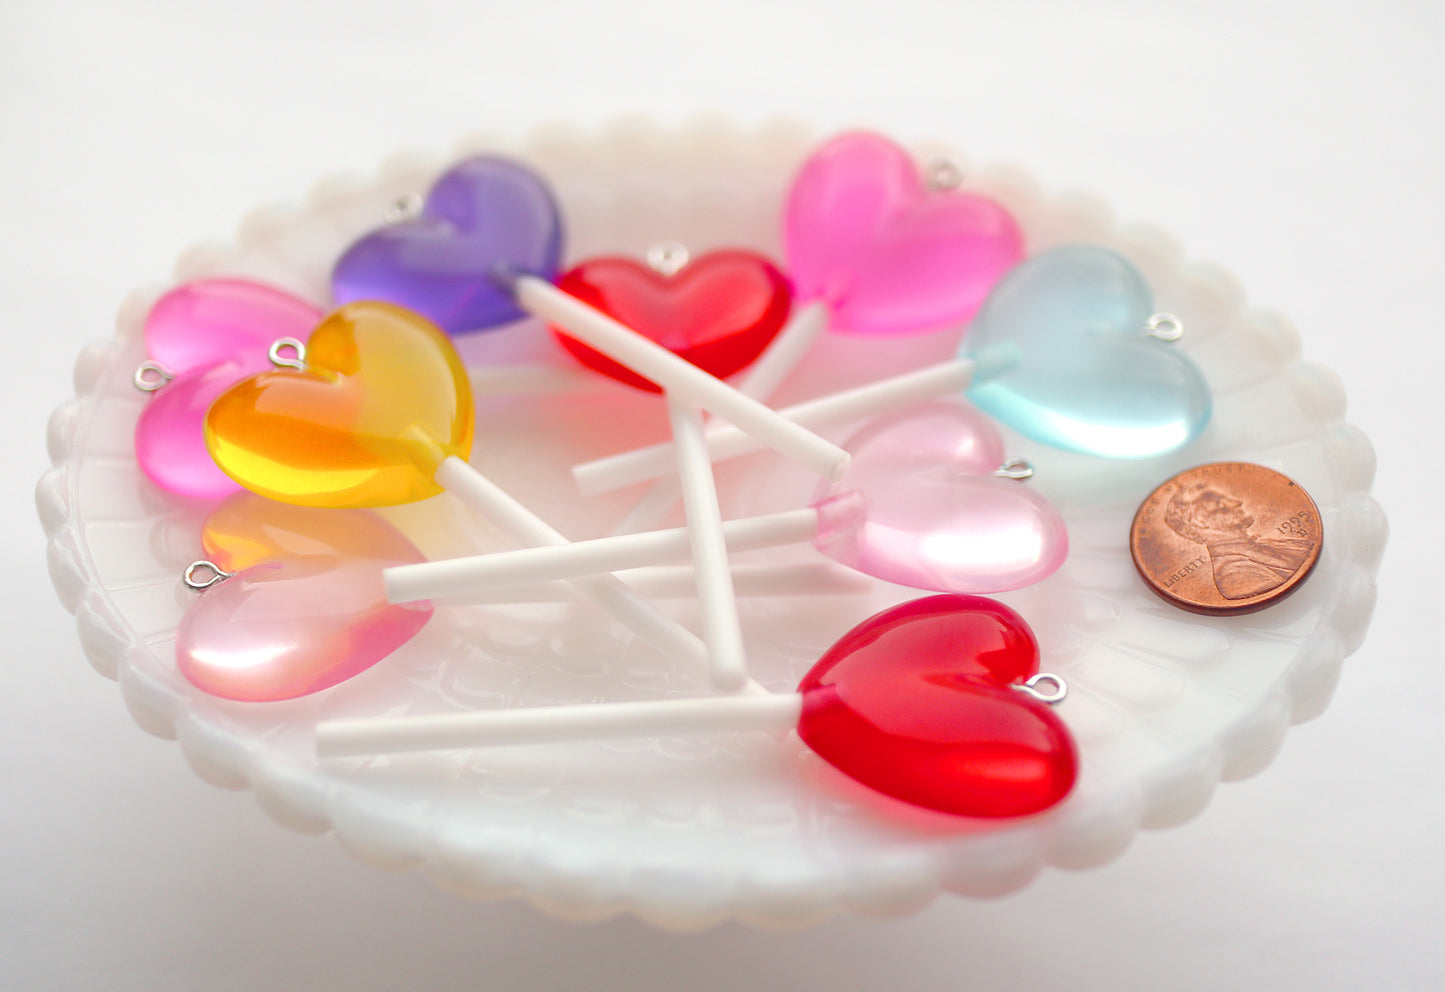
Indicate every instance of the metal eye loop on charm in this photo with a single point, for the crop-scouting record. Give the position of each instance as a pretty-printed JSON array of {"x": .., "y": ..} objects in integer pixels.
[
  {"x": 1015, "y": 468},
  {"x": 943, "y": 174},
  {"x": 1045, "y": 687},
  {"x": 201, "y": 575},
  {"x": 403, "y": 208},
  {"x": 668, "y": 257},
  {"x": 1164, "y": 327},
  {"x": 150, "y": 376},
  {"x": 288, "y": 353}
]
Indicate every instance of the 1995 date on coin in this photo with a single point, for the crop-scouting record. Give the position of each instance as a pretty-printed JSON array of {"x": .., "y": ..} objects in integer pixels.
[{"x": 1226, "y": 538}]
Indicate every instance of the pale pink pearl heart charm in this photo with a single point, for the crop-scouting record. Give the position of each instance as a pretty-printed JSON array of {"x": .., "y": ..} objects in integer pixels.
[
  {"x": 284, "y": 629},
  {"x": 932, "y": 514},
  {"x": 865, "y": 235},
  {"x": 209, "y": 335},
  {"x": 305, "y": 608}
]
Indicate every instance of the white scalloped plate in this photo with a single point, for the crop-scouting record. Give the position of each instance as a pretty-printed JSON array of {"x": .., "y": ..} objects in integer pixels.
[{"x": 688, "y": 831}]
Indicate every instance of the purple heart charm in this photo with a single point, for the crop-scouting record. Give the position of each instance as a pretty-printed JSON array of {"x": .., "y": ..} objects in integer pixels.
[{"x": 483, "y": 216}]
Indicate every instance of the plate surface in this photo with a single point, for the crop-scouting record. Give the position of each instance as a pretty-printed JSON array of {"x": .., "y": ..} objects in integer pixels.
[{"x": 686, "y": 831}]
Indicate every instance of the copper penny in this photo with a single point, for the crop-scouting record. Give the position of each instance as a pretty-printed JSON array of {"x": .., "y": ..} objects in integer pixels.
[{"x": 1226, "y": 538}]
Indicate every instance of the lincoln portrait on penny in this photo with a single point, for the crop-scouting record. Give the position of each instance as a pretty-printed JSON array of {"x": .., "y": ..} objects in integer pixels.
[{"x": 1244, "y": 566}]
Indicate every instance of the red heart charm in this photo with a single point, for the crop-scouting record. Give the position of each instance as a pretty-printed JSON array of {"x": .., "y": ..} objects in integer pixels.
[
  {"x": 306, "y": 608},
  {"x": 920, "y": 703},
  {"x": 719, "y": 311}
]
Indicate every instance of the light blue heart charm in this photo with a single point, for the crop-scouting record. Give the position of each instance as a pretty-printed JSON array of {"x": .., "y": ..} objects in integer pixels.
[{"x": 1065, "y": 358}]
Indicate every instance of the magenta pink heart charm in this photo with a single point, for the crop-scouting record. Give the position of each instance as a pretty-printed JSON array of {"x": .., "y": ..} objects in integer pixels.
[
  {"x": 305, "y": 608},
  {"x": 208, "y": 335},
  {"x": 888, "y": 255},
  {"x": 933, "y": 514}
]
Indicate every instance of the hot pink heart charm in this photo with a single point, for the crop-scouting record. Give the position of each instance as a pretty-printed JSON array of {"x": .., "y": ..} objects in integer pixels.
[
  {"x": 305, "y": 609},
  {"x": 920, "y": 703},
  {"x": 209, "y": 335},
  {"x": 933, "y": 514},
  {"x": 887, "y": 255}
]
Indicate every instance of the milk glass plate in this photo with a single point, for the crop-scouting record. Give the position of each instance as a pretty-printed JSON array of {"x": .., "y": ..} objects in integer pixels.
[{"x": 688, "y": 831}]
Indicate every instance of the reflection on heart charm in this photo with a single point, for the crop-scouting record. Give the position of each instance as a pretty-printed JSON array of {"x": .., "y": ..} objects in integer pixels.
[
  {"x": 935, "y": 515},
  {"x": 719, "y": 311},
  {"x": 865, "y": 235},
  {"x": 209, "y": 335},
  {"x": 1078, "y": 371},
  {"x": 384, "y": 398},
  {"x": 481, "y": 215},
  {"x": 918, "y": 702},
  {"x": 305, "y": 609}
]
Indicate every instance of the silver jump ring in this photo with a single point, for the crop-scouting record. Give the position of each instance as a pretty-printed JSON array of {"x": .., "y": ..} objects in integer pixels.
[
  {"x": 150, "y": 376},
  {"x": 295, "y": 360},
  {"x": 944, "y": 174},
  {"x": 1052, "y": 695},
  {"x": 213, "y": 573},
  {"x": 1015, "y": 468},
  {"x": 403, "y": 208},
  {"x": 668, "y": 257},
  {"x": 1165, "y": 327}
]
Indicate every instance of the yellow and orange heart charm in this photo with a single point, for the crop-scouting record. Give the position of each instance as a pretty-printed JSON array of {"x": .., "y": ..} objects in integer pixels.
[{"x": 382, "y": 400}]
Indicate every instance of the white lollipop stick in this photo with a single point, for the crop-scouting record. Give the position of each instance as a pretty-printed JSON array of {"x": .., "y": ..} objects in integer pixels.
[
  {"x": 722, "y": 630},
  {"x": 607, "y": 591},
  {"x": 456, "y": 577},
  {"x": 495, "y": 728},
  {"x": 617, "y": 471},
  {"x": 759, "y": 381},
  {"x": 677, "y": 376},
  {"x": 680, "y": 582},
  {"x": 762, "y": 378}
]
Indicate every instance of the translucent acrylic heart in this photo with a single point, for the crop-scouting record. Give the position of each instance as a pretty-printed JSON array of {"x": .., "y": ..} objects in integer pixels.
[
  {"x": 865, "y": 234},
  {"x": 718, "y": 312},
  {"x": 383, "y": 400},
  {"x": 209, "y": 335},
  {"x": 483, "y": 215},
  {"x": 1063, "y": 338},
  {"x": 918, "y": 702},
  {"x": 932, "y": 515},
  {"x": 306, "y": 609}
]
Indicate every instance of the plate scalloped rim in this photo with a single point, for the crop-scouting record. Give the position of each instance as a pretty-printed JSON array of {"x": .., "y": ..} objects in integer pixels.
[{"x": 300, "y": 796}]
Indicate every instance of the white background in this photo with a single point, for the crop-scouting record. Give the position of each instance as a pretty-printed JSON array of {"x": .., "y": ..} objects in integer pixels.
[{"x": 1301, "y": 145}]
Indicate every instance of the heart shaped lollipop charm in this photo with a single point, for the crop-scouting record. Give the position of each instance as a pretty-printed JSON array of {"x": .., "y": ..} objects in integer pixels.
[
  {"x": 865, "y": 235},
  {"x": 485, "y": 215},
  {"x": 719, "y": 311},
  {"x": 1064, "y": 334},
  {"x": 919, "y": 702},
  {"x": 208, "y": 335},
  {"x": 933, "y": 515},
  {"x": 305, "y": 609},
  {"x": 382, "y": 401}
]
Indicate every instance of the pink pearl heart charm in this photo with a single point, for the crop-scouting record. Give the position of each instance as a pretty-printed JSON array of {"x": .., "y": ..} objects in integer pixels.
[
  {"x": 208, "y": 335},
  {"x": 933, "y": 514},
  {"x": 888, "y": 255},
  {"x": 305, "y": 608}
]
